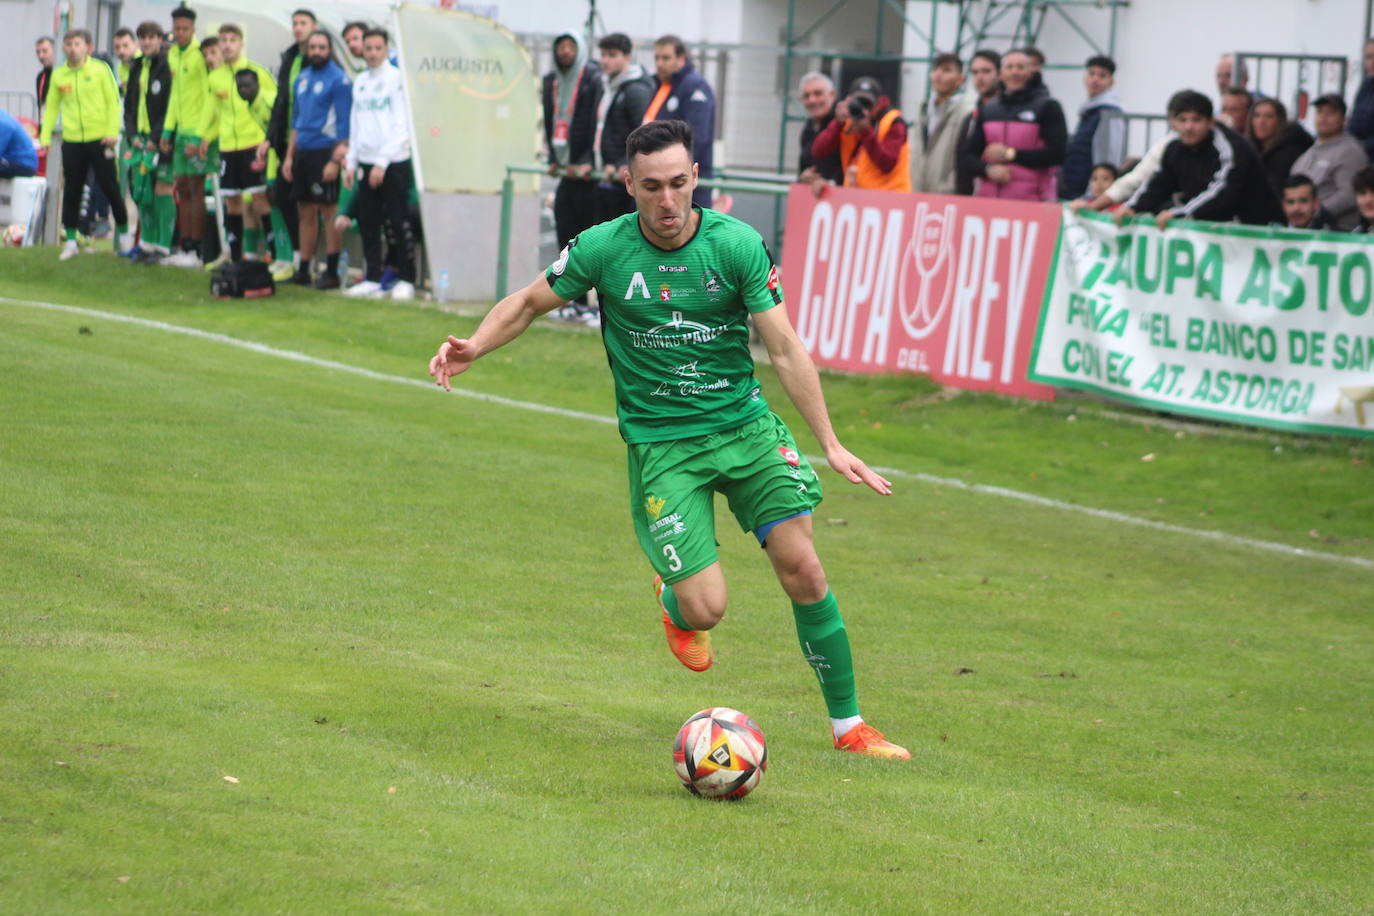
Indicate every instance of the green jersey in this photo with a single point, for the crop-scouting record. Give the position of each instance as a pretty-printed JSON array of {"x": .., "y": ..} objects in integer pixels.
[{"x": 674, "y": 322}]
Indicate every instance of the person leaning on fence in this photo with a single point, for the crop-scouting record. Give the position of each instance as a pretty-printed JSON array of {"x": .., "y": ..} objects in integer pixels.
[
  {"x": 46, "y": 52},
  {"x": 1101, "y": 132},
  {"x": 1210, "y": 170},
  {"x": 818, "y": 99},
  {"x": 1363, "y": 186},
  {"x": 378, "y": 164},
  {"x": 939, "y": 123},
  {"x": 625, "y": 95},
  {"x": 1301, "y": 208},
  {"x": 871, "y": 138},
  {"x": 1279, "y": 141},
  {"x": 683, "y": 94},
  {"x": 18, "y": 158},
  {"x": 1018, "y": 140},
  {"x": 570, "y": 94},
  {"x": 1333, "y": 160},
  {"x": 84, "y": 95}
]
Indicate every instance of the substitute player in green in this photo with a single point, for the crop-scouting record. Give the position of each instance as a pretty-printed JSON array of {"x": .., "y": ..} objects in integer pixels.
[{"x": 676, "y": 285}]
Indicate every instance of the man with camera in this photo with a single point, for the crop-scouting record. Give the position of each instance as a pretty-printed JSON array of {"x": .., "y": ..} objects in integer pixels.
[{"x": 871, "y": 138}]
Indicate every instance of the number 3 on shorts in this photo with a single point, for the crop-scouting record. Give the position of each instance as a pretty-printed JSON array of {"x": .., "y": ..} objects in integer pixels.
[{"x": 674, "y": 561}]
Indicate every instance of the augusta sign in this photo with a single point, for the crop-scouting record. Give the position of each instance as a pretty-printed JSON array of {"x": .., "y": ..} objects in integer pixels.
[{"x": 1261, "y": 326}]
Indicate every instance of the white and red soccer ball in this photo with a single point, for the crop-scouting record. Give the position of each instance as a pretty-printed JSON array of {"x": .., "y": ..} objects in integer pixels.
[
  {"x": 720, "y": 753},
  {"x": 13, "y": 235}
]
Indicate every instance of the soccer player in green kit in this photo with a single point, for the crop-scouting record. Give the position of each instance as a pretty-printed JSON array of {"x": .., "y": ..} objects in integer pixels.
[{"x": 676, "y": 284}]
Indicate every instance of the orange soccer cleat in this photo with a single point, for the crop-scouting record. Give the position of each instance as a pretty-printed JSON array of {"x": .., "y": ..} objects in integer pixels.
[
  {"x": 692, "y": 647},
  {"x": 865, "y": 739}
]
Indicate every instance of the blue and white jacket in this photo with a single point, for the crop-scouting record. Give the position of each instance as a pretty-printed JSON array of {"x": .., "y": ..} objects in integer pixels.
[{"x": 324, "y": 99}]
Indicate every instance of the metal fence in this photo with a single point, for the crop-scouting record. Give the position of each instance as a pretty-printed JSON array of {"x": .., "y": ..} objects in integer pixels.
[{"x": 20, "y": 103}]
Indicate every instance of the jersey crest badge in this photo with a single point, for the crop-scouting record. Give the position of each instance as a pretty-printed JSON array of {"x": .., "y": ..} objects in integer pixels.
[
  {"x": 654, "y": 506},
  {"x": 665, "y": 293}
]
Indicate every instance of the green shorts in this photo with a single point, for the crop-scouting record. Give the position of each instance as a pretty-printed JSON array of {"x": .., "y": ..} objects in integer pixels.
[
  {"x": 764, "y": 476},
  {"x": 183, "y": 164},
  {"x": 150, "y": 161}
]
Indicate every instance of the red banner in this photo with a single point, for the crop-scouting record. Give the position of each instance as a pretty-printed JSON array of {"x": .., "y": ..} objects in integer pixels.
[{"x": 948, "y": 287}]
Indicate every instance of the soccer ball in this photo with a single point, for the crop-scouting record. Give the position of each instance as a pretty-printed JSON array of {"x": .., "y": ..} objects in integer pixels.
[
  {"x": 720, "y": 753},
  {"x": 13, "y": 235}
]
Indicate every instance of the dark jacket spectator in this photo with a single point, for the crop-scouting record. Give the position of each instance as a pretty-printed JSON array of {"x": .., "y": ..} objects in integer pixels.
[
  {"x": 1101, "y": 132},
  {"x": 827, "y": 166},
  {"x": 686, "y": 96},
  {"x": 1219, "y": 178},
  {"x": 1361, "y": 123},
  {"x": 624, "y": 99},
  {"x": 570, "y": 95},
  {"x": 158, "y": 74},
  {"x": 1027, "y": 126},
  {"x": 279, "y": 126},
  {"x": 817, "y": 94},
  {"x": 1280, "y": 142}
]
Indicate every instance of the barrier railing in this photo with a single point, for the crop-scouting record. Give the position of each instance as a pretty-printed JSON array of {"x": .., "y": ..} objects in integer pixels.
[{"x": 771, "y": 185}]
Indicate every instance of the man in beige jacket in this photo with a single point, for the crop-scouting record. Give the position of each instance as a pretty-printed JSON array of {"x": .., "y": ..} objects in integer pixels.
[{"x": 937, "y": 145}]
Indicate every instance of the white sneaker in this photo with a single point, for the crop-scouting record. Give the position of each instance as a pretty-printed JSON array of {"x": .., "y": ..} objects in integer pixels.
[
  {"x": 367, "y": 289},
  {"x": 282, "y": 270},
  {"x": 403, "y": 290},
  {"x": 124, "y": 242},
  {"x": 69, "y": 250},
  {"x": 183, "y": 259},
  {"x": 591, "y": 318}
]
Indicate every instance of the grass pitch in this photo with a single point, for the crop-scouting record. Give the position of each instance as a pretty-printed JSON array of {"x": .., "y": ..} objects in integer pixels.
[{"x": 416, "y": 631}]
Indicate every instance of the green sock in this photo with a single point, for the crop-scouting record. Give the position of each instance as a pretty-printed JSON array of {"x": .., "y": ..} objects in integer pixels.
[
  {"x": 282, "y": 235},
  {"x": 670, "y": 604},
  {"x": 251, "y": 240},
  {"x": 70, "y": 234},
  {"x": 164, "y": 219},
  {"x": 147, "y": 222},
  {"x": 824, "y": 642}
]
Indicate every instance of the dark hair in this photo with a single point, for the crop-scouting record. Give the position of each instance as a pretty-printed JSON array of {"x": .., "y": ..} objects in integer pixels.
[
  {"x": 679, "y": 49},
  {"x": 988, "y": 55},
  {"x": 148, "y": 29},
  {"x": 1299, "y": 180},
  {"x": 1116, "y": 172},
  {"x": 122, "y": 32},
  {"x": 329, "y": 42},
  {"x": 351, "y": 26},
  {"x": 304, "y": 12},
  {"x": 209, "y": 41},
  {"x": 376, "y": 32},
  {"x": 1279, "y": 111},
  {"x": 1364, "y": 178},
  {"x": 945, "y": 59},
  {"x": 42, "y": 38},
  {"x": 1236, "y": 90},
  {"x": 184, "y": 12},
  {"x": 83, "y": 34},
  {"x": 231, "y": 28},
  {"x": 616, "y": 41},
  {"x": 1033, "y": 53},
  {"x": 1188, "y": 101},
  {"x": 658, "y": 135},
  {"x": 1103, "y": 61}
]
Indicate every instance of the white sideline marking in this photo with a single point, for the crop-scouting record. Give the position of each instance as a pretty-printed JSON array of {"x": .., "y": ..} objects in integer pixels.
[{"x": 952, "y": 482}]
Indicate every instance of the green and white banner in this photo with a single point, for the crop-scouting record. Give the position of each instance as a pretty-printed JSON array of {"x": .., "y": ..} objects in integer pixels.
[{"x": 1263, "y": 326}]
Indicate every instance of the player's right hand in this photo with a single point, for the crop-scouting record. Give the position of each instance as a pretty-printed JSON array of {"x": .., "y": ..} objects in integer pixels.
[{"x": 454, "y": 357}]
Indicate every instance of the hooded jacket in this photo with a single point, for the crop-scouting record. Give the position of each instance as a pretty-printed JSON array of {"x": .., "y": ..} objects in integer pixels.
[
  {"x": 624, "y": 99},
  {"x": 1032, "y": 123},
  {"x": 691, "y": 99},
  {"x": 570, "y": 98},
  {"x": 1221, "y": 178},
  {"x": 1099, "y": 137},
  {"x": 1278, "y": 157}
]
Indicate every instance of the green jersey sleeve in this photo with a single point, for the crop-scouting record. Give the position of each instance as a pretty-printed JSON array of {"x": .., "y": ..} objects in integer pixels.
[
  {"x": 758, "y": 281},
  {"x": 577, "y": 270}
]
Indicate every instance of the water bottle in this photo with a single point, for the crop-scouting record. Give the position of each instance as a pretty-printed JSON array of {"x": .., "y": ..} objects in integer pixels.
[
  {"x": 343, "y": 267},
  {"x": 442, "y": 289}
]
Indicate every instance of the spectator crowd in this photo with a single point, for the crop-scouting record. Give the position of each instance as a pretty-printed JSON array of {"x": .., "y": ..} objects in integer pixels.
[{"x": 992, "y": 129}]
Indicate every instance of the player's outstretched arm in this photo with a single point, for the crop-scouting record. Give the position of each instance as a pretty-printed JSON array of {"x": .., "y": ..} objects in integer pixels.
[
  {"x": 506, "y": 321},
  {"x": 803, "y": 385}
]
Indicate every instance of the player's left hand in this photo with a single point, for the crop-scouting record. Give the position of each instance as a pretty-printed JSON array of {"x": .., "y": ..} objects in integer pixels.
[
  {"x": 1162, "y": 219},
  {"x": 854, "y": 470},
  {"x": 330, "y": 170},
  {"x": 454, "y": 357},
  {"x": 376, "y": 176}
]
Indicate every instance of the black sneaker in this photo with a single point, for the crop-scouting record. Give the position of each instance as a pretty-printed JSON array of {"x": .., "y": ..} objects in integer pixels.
[
  {"x": 302, "y": 276},
  {"x": 327, "y": 280}
]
